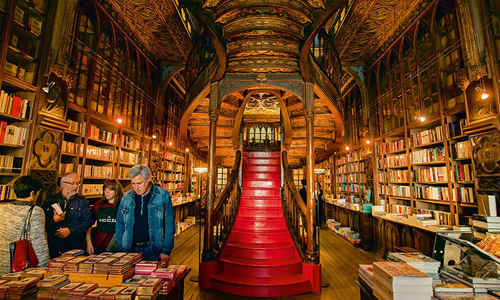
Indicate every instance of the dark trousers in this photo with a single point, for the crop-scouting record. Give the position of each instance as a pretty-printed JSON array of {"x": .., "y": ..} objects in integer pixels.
[{"x": 147, "y": 253}]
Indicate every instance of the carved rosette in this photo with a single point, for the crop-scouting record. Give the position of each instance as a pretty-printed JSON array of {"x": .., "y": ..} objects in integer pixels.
[
  {"x": 213, "y": 114},
  {"x": 486, "y": 150},
  {"x": 46, "y": 149}
]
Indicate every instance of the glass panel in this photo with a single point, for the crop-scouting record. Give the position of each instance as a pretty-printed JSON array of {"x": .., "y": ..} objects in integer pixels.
[
  {"x": 427, "y": 70},
  {"x": 410, "y": 79}
]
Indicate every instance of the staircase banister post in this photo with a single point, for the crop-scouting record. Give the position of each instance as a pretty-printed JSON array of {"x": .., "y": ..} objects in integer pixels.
[{"x": 312, "y": 256}]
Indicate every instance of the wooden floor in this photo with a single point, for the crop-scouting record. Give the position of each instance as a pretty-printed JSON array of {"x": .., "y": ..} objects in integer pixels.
[{"x": 339, "y": 265}]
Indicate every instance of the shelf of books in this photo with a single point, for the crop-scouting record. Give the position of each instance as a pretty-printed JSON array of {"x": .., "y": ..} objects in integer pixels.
[
  {"x": 351, "y": 178},
  {"x": 21, "y": 48}
]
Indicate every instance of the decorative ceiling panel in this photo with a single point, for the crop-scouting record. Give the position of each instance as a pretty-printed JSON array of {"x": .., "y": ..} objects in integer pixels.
[
  {"x": 156, "y": 25},
  {"x": 371, "y": 26}
]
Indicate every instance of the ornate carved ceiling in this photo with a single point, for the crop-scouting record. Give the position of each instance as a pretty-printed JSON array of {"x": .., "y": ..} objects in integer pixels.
[
  {"x": 372, "y": 26},
  {"x": 156, "y": 25},
  {"x": 262, "y": 107}
]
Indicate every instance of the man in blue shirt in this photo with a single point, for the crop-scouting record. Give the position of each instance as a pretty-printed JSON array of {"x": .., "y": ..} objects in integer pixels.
[{"x": 145, "y": 219}]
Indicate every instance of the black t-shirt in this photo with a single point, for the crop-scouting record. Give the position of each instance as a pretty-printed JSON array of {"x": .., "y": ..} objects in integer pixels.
[{"x": 141, "y": 225}]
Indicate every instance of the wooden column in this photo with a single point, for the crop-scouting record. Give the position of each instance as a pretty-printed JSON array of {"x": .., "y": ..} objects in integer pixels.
[
  {"x": 312, "y": 256},
  {"x": 213, "y": 112}
]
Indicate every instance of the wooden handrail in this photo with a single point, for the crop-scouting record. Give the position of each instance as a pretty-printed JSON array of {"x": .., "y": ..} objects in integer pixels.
[
  {"x": 225, "y": 210},
  {"x": 295, "y": 211}
]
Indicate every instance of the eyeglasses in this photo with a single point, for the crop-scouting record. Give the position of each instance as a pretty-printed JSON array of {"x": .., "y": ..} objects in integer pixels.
[{"x": 71, "y": 183}]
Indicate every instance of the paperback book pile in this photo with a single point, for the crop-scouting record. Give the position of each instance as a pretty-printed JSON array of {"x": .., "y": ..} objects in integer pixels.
[
  {"x": 63, "y": 292},
  {"x": 480, "y": 285},
  {"x": 395, "y": 280},
  {"x": 4, "y": 286},
  {"x": 48, "y": 285},
  {"x": 149, "y": 289},
  {"x": 448, "y": 285},
  {"x": 112, "y": 293},
  {"x": 79, "y": 292},
  {"x": 88, "y": 265},
  {"x": 366, "y": 275},
  {"x": 483, "y": 226},
  {"x": 127, "y": 294},
  {"x": 146, "y": 267},
  {"x": 58, "y": 264},
  {"x": 22, "y": 288},
  {"x": 72, "y": 265},
  {"x": 419, "y": 261},
  {"x": 101, "y": 267},
  {"x": 95, "y": 294},
  {"x": 120, "y": 267},
  {"x": 74, "y": 252}
]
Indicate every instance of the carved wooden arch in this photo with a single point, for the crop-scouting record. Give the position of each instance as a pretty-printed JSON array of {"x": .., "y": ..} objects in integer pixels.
[
  {"x": 170, "y": 75},
  {"x": 362, "y": 86},
  {"x": 287, "y": 124}
]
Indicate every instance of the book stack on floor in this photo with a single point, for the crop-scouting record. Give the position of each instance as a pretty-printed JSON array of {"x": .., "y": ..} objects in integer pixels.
[
  {"x": 419, "y": 261},
  {"x": 48, "y": 285},
  {"x": 366, "y": 275},
  {"x": 22, "y": 288},
  {"x": 395, "y": 280},
  {"x": 149, "y": 289},
  {"x": 482, "y": 226}
]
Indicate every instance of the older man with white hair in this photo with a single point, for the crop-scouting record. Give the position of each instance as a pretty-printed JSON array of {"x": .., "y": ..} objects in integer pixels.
[
  {"x": 145, "y": 218},
  {"x": 67, "y": 217}
]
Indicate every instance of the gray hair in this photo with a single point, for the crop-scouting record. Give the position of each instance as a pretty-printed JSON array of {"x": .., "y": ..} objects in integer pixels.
[
  {"x": 66, "y": 175},
  {"x": 140, "y": 170}
]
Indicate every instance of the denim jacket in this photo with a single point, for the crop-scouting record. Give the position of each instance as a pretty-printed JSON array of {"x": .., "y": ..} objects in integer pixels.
[{"x": 161, "y": 221}]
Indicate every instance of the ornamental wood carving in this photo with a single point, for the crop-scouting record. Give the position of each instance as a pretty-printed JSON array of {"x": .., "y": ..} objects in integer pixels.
[
  {"x": 46, "y": 149},
  {"x": 486, "y": 151}
]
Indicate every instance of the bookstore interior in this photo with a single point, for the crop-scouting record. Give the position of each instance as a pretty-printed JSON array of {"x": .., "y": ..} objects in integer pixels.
[{"x": 162, "y": 149}]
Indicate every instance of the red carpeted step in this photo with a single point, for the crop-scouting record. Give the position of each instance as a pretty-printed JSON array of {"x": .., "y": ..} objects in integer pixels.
[
  {"x": 262, "y": 236},
  {"x": 261, "y": 267},
  {"x": 261, "y": 184},
  {"x": 261, "y": 251},
  {"x": 261, "y": 161},
  {"x": 262, "y": 169},
  {"x": 275, "y": 176},
  {"x": 260, "y": 193},
  {"x": 272, "y": 212},
  {"x": 262, "y": 154},
  {"x": 279, "y": 286},
  {"x": 261, "y": 202},
  {"x": 259, "y": 223}
]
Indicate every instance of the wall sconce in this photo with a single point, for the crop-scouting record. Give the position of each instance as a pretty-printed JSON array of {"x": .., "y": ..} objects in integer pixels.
[
  {"x": 48, "y": 87},
  {"x": 154, "y": 136},
  {"x": 484, "y": 95},
  {"x": 119, "y": 120},
  {"x": 347, "y": 148},
  {"x": 368, "y": 142},
  {"x": 422, "y": 119}
]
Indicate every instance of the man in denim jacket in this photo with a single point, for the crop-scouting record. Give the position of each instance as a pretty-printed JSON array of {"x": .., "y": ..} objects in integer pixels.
[{"x": 145, "y": 218}]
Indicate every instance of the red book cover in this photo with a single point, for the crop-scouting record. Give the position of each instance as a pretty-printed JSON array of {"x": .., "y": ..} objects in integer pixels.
[
  {"x": 16, "y": 106},
  {"x": 3, "y": 129}
]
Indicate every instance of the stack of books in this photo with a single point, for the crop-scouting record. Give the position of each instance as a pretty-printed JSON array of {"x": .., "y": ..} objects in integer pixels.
[
  {"x": 482, "y": 226},
  {"x": 419, "y": 261},
  {"x": 168, "y": 274},
  {"x": 135, "y": 280},
  {"x": 95, "y": 294},
  {"x": 112, "y": 293},
  {"x": 63, "y": 292},
  {"x": 166, "y": 287},
  {"x": 366, "y": 275},
  {"x": 448, "y": 285},
  {"x": 22, "y": 288},
  {"x": 101, "y": 267},
  {"x": 146, "y": 267},
  {"x": 181, "y": 269},
  {"x": 149, "y": 289},
  {"x": 49, "y": 285},
  {"x": 127, "y": 294},
  {"x": 480, "y": 285},
  {"x": 58, "y": 264},
  {"x": 34, "y": 272},
  {"x": 88, "y": 265},
  {"x": 72, "y": 265},
  {"x": 79, "y": 292},
  {"x": 4, "y": 287},
  {"x": 74, "y": 252},
  {"x": 133, "y": 257},
  {"x": 395, "y": 280},
  {"x": 120, "y": 267}
]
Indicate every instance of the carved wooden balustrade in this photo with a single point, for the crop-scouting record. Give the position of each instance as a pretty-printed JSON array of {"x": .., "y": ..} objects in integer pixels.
[
  {"x": 325, "y": 55},
  {"x": 295, "y": 210},
  {"x": 226, "y": 208},
  {"x": 262, "y": 137}
]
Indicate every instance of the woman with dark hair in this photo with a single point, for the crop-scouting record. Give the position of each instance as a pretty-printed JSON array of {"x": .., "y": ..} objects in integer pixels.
[
  {"x": 104, "y": 213},
  {"x": 12, "y": 219}
]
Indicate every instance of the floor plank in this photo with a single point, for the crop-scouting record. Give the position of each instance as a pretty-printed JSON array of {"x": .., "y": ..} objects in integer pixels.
[{"x": 339, "y": 265}]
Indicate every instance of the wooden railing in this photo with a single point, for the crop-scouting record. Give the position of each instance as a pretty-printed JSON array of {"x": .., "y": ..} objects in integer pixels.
[
  {"x": 262, "y": 137},
  {"x": 325, "y": 54},
  {"x": 295, "y": 210},
  {"x": 201, "y": 55},
  {"x": 226, "y": 208}
]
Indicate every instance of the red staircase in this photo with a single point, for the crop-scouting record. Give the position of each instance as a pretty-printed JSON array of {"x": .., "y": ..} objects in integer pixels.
[{"x": 260, "y": 258}]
